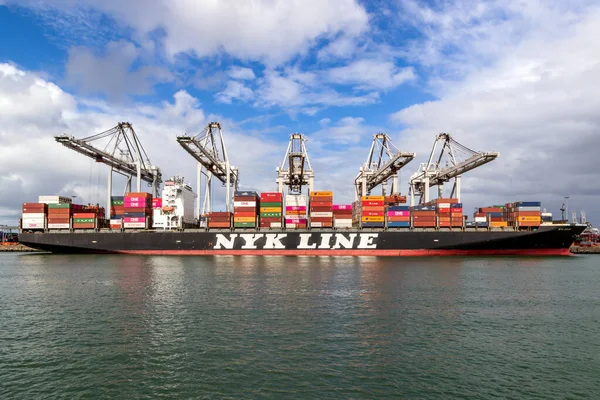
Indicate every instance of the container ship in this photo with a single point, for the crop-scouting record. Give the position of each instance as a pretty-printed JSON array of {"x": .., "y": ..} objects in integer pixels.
[{"x": 288, "y": 222}]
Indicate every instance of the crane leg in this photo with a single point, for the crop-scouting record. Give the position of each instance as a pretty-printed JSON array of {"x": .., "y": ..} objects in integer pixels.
[
  {"x": 199, "y": 187},
  {"x": 426, "y": 191},
  {"x": 109, "y": 192}
]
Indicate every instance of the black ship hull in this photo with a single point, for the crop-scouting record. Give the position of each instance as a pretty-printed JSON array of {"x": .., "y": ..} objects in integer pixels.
[{"x": 546, "y": 240}]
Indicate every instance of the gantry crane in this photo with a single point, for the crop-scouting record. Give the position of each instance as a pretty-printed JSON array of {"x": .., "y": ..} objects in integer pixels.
[
  {"x": 123, "y": 153},
  {"x": 208, "y": 148},
  {"x": 453, "y": 160},
  {"x": 295, "y": 170},
  {"x": 383, "y": 163}
]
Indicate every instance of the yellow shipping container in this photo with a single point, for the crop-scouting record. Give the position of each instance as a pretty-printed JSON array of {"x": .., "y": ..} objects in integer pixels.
[
  {"x": 372, "y": 219},
  {"x": 321, "y": 194},
  {"x": 497, "y": 224},
  {"x": 530, "y": 219},
  {"x": 270, "y": 209},
  {"x": 244, "y": 219},
  {"x": 373, "y": 198}
]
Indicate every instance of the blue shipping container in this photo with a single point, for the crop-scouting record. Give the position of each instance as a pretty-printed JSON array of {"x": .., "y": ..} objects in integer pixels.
[
  {"x": 372, "y": 224},
  {"x": 456, "y": 205},
  {"x": 134, "y": 214},
  {"x": 399, "y": 208},
  {"x": 529, "y": 204},
  {"x": 246, "y": 193},
  {"x": 399, "y": 224}
]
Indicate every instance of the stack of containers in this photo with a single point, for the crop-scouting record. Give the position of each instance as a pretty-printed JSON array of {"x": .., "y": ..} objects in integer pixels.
[
  {"x": 34, "y": 215},
  {"x": 424, "y": 216},
  {"x": 342, "y": 215},
  {"x": 525, "y": 214},
  {"x": 398, "y": 216},
  {"x": 59, "y": 215},
  {"x": 220, "y": 219},
  {"x": 442, "y": 207},
  {"x": 85, "y": 219},
  {"x": 295, "y": 211},
  {"x": 493, "y": 216},
  {"x": 480, "y": 219},
  {"x": 372, "y": 211},
  {"x": 137, "y": 210},
  {"x": 271, "y": 209},
  {"x": 547, "y": 217},
  {"x": 456, "y": 215},
  {"x": 321, "y": 209},
  {"x": 245, "y": 209},
  {"x": 117, "y": 211}
]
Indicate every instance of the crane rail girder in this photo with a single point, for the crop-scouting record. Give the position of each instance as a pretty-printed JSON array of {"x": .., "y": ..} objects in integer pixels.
[
  {"x": 204, "y": 157},
  {"x": 99, "y": 156}
]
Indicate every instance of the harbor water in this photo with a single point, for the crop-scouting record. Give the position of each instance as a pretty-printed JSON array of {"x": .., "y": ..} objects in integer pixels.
[{"x": 98, "y": 326}]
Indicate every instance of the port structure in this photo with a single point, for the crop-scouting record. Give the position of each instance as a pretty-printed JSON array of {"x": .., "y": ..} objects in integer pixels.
[
  {"x": 383, "y": 163},
  {"x": 209, "y": 150},
  {"x": 448, "y": 160},
  {"x": 295, "y": 170},
  {"x": 123, "y": 153}
]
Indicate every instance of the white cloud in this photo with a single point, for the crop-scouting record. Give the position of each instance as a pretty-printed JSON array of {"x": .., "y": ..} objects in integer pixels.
[
  {"x": 371, "y": 74},
  {"x": 340, "y": 48},
  {"x": 34, "y": 164},
  {"x": 536, "y": 104},
  {"x": 234, "y": 90},
  {"x": 111, "y": 73},
  {"x": 261, "y": 30},
  {"x": 241, "y": 73}
]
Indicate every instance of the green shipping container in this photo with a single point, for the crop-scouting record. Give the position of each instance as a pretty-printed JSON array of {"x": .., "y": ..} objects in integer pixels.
[
  {"x": 117, "y": 203},
  {"x": 270, "y": 215},
  {"x": 83, "y": 220},
  {"x": 271, "y": 205},
  {"x": 244, "y": 225},
  {"x": 61, "y": 205}
]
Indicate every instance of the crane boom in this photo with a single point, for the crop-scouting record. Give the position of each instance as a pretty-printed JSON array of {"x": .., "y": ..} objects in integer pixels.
[
  {"x": 453, "y": 160},
  {"x": 377, "y": 170},
  {"x": 123, "y": 153},
  {"x": 209, "y": 150}
]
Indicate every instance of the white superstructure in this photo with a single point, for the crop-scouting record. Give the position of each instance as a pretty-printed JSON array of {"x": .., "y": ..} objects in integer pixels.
[{"x": 177, "y": 206}]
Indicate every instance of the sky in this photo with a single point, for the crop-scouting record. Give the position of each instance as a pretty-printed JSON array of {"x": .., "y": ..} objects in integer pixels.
[{"x": 518, "y": 77}]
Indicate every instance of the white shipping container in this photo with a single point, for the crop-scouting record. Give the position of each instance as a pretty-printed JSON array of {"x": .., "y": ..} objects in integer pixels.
[
  {"x": 343, "y": 221},
  {"x": 33, "y": 225},
  {"x": 343, "y": 225},
  {"x": 58, "y": 226},
  {"x": 33, "y": 215},
  {"x": 275, "y": 225},
  {"x": 115, "y": 221},
  {"x": 295, "y": 197},
  {"x": 480, "y": 219},
  {"x": 127, "y": 225},
  {"x": 316, "y": 224},
  {"x": 54, "y": 199},
  {"x": 321, "y": 214},
  {"x": 444, "y": 205},
  {"x": 244, "y": 204}
]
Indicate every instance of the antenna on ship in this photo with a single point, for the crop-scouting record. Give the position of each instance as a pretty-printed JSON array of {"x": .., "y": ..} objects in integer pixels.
[
  {"x": 451, "y": 162},
  {"x": 383, "y": 163},
  {"x": 208, "y": 148},
  {"x": 123, "y": 153},
  {"x": 295, "y": 170}
]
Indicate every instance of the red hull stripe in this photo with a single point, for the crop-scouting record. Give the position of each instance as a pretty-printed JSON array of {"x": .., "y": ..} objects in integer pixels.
[{"x": 392, "y": 253}]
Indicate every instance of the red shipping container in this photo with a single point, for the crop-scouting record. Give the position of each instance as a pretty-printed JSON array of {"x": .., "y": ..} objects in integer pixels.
[
  {"x": 373, "y": 213},
  {"x": 321, "y": 204},
  {"x": 216, "y": 224},
  {"x": 271, "y": 197},
  {"x": 321, "y": 198},
  {"x": 84, "y": 226},
  {"x": 424, "y": 214},
  {"x": 138, "y": 194},
  {"x": 244, "y": 214},
  {"x": 84, "y": 215},
  {"x": 321, "y": 219},
  {"x": 271, "y": 219},
  {"x": 398, "y": 219},
  {"x": 371, "y": 203},
  {"x": 244, "y": 198},
  {"x": 245, "y": 209},
  {"x": 371, "y": 208}
]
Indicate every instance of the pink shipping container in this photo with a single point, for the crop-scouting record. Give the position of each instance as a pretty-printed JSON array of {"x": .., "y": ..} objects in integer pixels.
[
  {"x": 134, "y": 204},
  {"x": 398, "y": 213},
  {"x": 295, "y": 208},
  {"x": 295, "y": 221},
  {"x": 156, "y": 203},
  {"x": 135, "y": 199},
  {"x": 133, "y": 219},
  {"x": 342, "y": 207}
]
